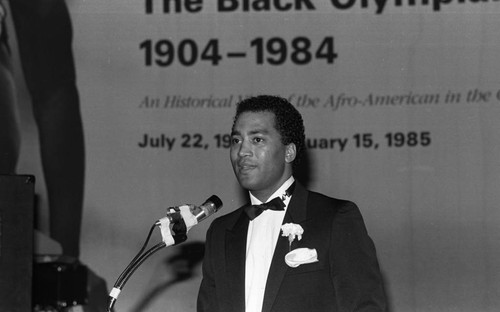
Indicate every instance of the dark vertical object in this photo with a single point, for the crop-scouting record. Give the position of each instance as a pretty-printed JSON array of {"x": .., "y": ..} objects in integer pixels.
[{"x": 16, "y": 242}]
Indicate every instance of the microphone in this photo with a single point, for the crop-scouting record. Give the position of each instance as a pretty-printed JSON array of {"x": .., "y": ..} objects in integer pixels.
[
  {"x": 174, "y": 228},
  {"x": 208, "y": 208},
  {"x": 180, "y": 219},
  {"x": 200, "y": 213}
]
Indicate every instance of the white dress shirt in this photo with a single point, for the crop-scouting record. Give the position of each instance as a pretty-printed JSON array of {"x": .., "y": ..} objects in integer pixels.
[{"x": 262, "y": 236}]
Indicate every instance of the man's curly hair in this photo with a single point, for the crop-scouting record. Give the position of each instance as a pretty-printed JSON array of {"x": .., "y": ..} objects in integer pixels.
[{"x": 288, "y": 120}]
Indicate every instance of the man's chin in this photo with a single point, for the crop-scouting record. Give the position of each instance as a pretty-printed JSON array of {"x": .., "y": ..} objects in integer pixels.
[{"x": 246, "y": 182}]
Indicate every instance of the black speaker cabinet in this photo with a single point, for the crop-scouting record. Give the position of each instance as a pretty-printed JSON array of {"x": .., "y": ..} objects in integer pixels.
[{"x": 16, "y": 242}]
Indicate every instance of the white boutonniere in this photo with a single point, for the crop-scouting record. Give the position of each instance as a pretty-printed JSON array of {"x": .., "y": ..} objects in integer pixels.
[
  {"x": 292, "y": 231},
  {"x": 300, "y": 255}
]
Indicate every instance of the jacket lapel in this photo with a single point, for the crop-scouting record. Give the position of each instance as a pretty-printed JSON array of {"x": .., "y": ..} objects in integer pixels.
[
  {"x": 296, "y": 213},
  {"x": 235, "y": 255}
]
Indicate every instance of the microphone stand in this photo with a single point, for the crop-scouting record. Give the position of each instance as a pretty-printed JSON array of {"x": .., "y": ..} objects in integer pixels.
[
  {"x": 174, "y": 230},
  {"x": 179, "y": 237}
]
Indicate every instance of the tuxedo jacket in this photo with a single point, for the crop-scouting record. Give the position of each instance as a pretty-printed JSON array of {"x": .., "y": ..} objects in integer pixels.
[{"x": 346, "y": 277}]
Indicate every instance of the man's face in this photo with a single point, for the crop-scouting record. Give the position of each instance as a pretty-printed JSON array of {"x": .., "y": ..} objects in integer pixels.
[{"x": 257, "y": 154}]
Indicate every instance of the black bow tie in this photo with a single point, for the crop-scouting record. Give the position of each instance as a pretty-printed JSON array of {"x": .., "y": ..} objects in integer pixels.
[{"x": 253, "y": 211}]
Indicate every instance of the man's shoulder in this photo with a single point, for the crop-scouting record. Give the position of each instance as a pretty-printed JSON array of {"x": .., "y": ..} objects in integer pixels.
[
  {"x": 320, "y": 197},
  {"x": 321, "y": 201}
]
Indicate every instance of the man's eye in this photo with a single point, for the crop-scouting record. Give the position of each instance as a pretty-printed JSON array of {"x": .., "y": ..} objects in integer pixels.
[
  {"x": 235, "y": 140},
  {"x": 258, "y": 140}
]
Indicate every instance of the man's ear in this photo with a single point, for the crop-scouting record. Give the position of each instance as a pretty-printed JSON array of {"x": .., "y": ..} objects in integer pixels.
[{"x": 290, "y": 153}]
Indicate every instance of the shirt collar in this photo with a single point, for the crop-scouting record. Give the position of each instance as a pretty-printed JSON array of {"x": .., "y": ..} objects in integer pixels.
[{"x": 279, "y": 192}]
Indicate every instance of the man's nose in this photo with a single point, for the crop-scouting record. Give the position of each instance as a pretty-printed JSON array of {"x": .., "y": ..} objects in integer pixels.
[{"x": 245, "y": 149}]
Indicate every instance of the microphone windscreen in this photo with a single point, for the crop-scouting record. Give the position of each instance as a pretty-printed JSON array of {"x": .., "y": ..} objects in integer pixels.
[{"x": 215, "y": 200}]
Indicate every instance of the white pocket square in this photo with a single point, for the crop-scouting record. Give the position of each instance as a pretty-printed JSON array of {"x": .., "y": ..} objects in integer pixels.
[{"x": 300, "y": 256}]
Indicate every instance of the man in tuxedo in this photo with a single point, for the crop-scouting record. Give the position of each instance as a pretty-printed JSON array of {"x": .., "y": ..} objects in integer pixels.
[{"x": 331, "y": 263}]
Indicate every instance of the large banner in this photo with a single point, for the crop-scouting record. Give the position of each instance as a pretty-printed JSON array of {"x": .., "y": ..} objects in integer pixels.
[{"x": 401, "y": 103}]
